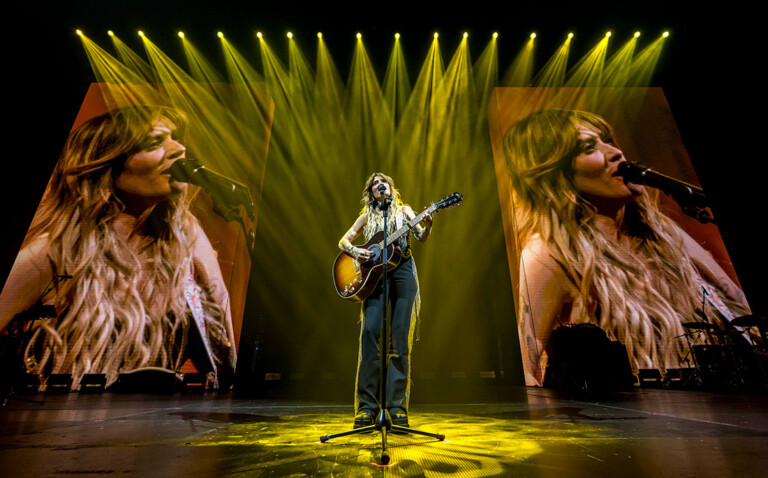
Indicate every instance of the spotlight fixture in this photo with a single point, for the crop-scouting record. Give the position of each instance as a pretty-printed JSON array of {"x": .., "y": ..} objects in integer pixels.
[
  {"x": 637, "y": 34},
  {"x": 570, "y": 35},
  {"x": 436, "y": 35},
  {"x": 258, "y": 34},
  {"x": 466, "y": 34},
  {"x": 495, "y": 35},
  {"x": 359, "y": 36},
  {"x": 319, "y": 35},
  {"x": 181, "y": 34},
  {"x": 607, "y": 34},
  {"x": 79, "y": 32},
  {"x": 665, "y": 34},
  {"x": 397, "y": 35},
  {"x": 110, "y": 33},
  {"x": 141, "y": 33},
  {"x": 220, "y": 35},
  {"x": 290, "y": 35},
  {"x": 533, "y": 35}
]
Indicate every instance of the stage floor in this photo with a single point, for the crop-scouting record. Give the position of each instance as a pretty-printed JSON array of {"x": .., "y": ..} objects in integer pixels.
[{"x": 532, "y": 433}]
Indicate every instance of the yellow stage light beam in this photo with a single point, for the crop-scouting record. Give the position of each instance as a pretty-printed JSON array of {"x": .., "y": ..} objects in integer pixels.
[
  {"x": 486, "y": 72},
  {"x": 319, "y": 35},
  {"x": 132, "y": 60},
  {"x": 644, "y": 63},
  {"x": 520, "y": 72},
  {"x": 588, "y": 70},
  {"x": 419, "y": 116},
  {"x": 302, "y": 78},
  {"x": 181, "y": 34},
  {"x": 329, "y": 86},
  {"x": 617, "y": 69},
  {"x": 397, "y": 84},
  {"x": 553, "y": 72},
  {"x": 110, "y": 33},
  {"x": 239, "y": 70},
  {"x": 455, "y": 104},
  {"x": 108, "y": 69},
  {"x": 369, "y": 119},
  {"x": 199, "y": 67}
]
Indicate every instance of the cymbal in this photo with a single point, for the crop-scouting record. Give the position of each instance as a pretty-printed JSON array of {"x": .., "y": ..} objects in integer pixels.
[
  {"x": 700, "y": 326},
  {"x": 751, "y": 320}
]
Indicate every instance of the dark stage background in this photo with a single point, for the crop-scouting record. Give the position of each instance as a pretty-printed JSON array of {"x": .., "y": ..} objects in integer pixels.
[{"x": 707, "y": 71}]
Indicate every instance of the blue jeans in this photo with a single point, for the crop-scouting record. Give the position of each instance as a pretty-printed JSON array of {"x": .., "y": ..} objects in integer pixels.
[{"x": 402, "y": 293}]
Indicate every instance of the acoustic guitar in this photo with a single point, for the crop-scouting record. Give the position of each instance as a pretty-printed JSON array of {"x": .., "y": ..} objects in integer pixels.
[{"x": 355, "y": 280}]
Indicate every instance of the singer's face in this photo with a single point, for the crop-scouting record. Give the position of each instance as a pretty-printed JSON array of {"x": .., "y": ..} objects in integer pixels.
[
  {"x": 143, "y": 173},
  {"x": 595, "y": 168},
  {"x": 378, "y": 181}
]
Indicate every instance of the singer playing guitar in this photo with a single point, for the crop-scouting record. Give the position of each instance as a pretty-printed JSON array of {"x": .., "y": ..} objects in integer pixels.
[{"x": 380, "y": 192}]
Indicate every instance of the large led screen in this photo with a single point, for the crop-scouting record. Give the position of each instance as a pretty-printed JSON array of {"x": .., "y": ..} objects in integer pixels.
[
  {"x": 588, "y": 249},
  {"x": 128, "y": 268}
]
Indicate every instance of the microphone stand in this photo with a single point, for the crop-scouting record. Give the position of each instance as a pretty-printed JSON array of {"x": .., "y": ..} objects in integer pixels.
[{"x": 383, "y": 422}]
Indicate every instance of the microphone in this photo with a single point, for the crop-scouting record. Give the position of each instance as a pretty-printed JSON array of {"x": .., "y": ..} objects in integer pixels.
[
  {"x": 227, "y": 191},
  {"x": 384, "y": 204},
  {"x": 685, "y": 194}
]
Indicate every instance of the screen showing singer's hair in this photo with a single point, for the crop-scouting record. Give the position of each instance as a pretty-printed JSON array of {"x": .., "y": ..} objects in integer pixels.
[
  {"x": 594, "y": 259},
  {"x": 142, "y": 271}
]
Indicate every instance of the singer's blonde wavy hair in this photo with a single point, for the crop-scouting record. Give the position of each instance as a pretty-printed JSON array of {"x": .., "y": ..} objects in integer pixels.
[
  {"x": 124, "y": 307},
  {"x": 639, "y": 295}
]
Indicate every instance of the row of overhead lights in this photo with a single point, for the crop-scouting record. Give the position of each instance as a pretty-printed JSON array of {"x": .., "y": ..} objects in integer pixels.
[{"x": 359, "y": 35}]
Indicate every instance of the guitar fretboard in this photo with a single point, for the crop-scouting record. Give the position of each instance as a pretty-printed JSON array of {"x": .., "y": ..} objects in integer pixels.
[{"x": 408, "y": 226}]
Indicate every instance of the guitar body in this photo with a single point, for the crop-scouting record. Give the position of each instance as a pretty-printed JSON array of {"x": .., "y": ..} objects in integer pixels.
[{"x": 356, "y": 280}]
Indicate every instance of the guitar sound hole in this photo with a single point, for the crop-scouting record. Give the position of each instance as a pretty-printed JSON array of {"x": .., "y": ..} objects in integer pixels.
[{"x": 375, "y": 253}]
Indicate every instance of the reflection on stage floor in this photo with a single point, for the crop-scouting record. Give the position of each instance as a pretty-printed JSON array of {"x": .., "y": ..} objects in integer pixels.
[{"x": 530, "y": 433}]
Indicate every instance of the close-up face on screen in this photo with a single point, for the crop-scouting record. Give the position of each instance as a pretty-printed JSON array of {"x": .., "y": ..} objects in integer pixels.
[
  {"x": 138, "y": 266},
  {"x": 595, "y": 257}
]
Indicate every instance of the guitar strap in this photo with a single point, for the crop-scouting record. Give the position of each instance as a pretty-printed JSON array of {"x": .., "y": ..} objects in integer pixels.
[
  {"x": 193, "y": 292},
  {"x": 404, "y": 243}
]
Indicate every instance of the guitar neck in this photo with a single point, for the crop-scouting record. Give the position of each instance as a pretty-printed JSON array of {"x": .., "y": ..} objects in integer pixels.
[{"x": 392, "y": 238}]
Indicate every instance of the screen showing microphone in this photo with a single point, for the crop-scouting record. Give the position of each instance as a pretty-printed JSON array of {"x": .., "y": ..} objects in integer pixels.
[{"x": 229, "y": 192}]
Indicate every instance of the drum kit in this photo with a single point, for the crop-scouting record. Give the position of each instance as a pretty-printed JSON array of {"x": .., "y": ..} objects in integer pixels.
[{"x": 730, "y": 357}]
